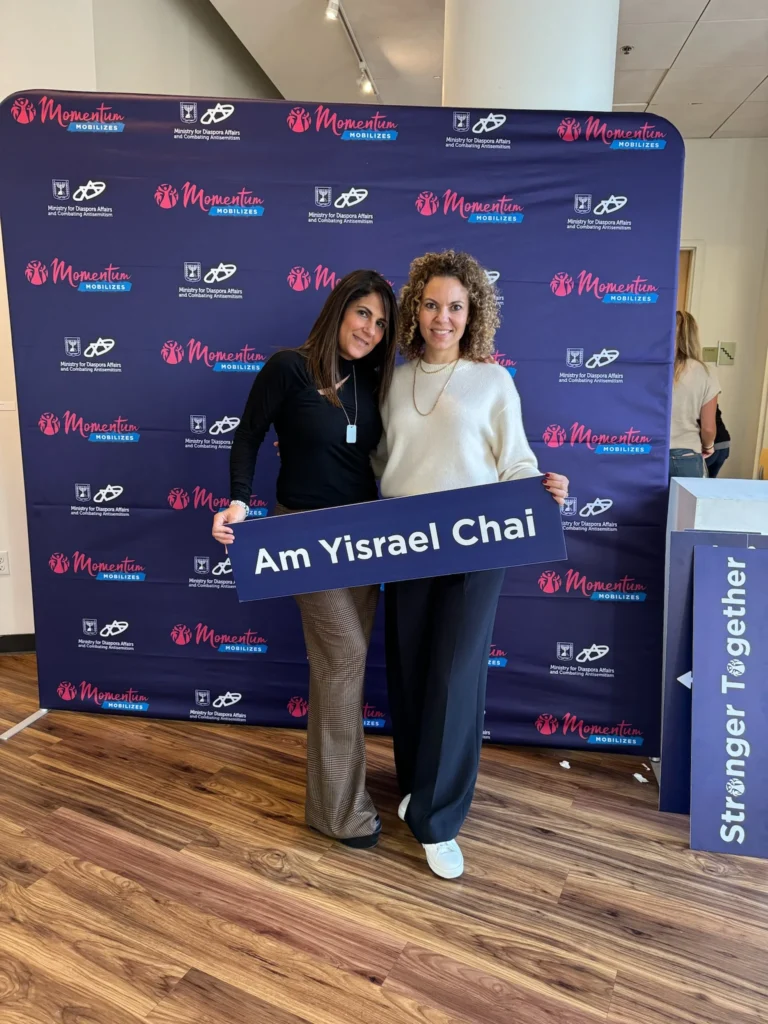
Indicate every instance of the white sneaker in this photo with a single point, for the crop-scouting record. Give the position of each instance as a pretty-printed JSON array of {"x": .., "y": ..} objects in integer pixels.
[
  {"x": 403, "y": 807},
  {"x": 445, "y": 859}
]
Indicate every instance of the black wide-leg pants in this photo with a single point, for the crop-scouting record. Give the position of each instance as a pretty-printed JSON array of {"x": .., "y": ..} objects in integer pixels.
[{"x": 438, "y": 636}]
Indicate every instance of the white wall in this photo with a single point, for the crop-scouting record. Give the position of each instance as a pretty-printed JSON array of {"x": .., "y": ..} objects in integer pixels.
[
  {"x": 725, "y": 214},
  {"x": 150, "y": 46}
]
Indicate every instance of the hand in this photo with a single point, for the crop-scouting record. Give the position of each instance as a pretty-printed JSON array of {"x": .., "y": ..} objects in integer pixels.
[
  {"x": 222, "y": 530},
  {"x": 557, "y": 485},
  {"x": 708, "y": 452}
]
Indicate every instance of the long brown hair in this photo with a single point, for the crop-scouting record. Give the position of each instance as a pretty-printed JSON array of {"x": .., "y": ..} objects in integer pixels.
[
  {"x": 687, "y": 344},
  {"x": 477, "y": 341},
  {"x": 322, "y": 346}
]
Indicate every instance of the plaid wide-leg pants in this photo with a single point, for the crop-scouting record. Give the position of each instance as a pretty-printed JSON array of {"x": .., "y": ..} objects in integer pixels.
[{"x": 337, "y": 630}]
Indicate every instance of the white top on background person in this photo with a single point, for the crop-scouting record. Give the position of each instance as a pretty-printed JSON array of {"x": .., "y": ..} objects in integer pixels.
[
  {"x": 474, "y": 435},
  {"x": 695, "y": 391}
]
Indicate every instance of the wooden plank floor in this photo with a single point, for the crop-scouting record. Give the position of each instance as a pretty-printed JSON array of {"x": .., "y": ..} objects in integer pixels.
[{"x": 161, "y": 872}]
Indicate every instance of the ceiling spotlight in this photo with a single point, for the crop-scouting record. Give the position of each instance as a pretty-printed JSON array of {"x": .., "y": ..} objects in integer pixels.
[
  {"x": 364, "y": 81},
  {"x": 332, "y": 10}
]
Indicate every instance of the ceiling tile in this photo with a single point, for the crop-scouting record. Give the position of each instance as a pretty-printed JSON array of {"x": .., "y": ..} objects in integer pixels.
[
  {"x": 731, "y": 43},
  {"x": 694, "y": 120},
  {"x": 709, "y": 84},
  {"x": 636, "y": 86},
  {"x": 760, "y": 94},
  {"x": 644, "y": 12},
  {"x": 629, "y": 108},
  {"x": 655, "y": 46},
  {"x": 750, "y": 121},
  {"x": 735, "y": 10}
]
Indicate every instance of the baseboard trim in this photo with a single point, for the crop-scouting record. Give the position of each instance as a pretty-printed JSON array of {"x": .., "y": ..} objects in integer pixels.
[{"x": 17, "y": 643}]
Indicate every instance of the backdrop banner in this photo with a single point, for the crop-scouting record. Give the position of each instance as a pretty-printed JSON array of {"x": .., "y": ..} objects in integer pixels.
[
  {"x": 729, "y": 761},
  {"x": 438, "y": 534},
  {"x": 159, "y": 249}
]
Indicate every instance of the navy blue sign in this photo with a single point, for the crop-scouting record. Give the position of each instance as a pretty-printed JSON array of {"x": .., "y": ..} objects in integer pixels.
[
  {"x": 729, "y": 763},
  {"x": 159, "y": 249},
  {"x": 488, "y": 527},
  {"x": 675, "y": 781}
]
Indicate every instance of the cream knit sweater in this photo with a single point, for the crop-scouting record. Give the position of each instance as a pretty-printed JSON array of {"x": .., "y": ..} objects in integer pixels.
[{"x": 474, "y": 436}]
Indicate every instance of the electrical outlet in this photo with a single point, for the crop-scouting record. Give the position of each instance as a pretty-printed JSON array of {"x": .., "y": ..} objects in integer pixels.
[{"x": 5, "y": 569}]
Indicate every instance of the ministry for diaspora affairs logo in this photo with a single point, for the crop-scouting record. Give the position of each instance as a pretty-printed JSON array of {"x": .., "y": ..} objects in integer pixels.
[
  {"x": 646, "y": 136},
  {"x": 375, "y": 128},
  {"x": 101, "y": 119}
]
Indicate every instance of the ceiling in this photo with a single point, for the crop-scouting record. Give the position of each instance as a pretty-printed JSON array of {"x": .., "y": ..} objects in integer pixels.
[{"x": 703, "y": 64}]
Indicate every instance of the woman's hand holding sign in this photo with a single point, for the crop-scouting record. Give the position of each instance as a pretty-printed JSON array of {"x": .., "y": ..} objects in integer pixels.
[
  {"x": 222, "y": 530},
  {"x": 557, "y": 485}
]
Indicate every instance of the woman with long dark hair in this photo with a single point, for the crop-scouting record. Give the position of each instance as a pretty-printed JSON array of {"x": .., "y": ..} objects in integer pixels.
[
  {"x": 323, "y": 399},
  {"x": 452, "y": 419}
]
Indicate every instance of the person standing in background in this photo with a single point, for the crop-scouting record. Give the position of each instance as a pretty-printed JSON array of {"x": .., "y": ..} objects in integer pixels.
[
  {"x": 694, "y": 404},
  {"x": 722, "y": 446}
]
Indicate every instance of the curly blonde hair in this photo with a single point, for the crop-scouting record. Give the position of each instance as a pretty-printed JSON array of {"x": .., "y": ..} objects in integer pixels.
[{"x": 477, "y": 341}]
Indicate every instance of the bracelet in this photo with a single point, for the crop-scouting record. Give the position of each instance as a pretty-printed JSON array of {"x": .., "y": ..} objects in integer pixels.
[{"x": 236, "y": 501}]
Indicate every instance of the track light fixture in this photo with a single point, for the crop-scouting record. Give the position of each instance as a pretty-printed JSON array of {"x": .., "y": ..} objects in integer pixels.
[
  {"x": 335, "y": 12},
  {"x": 364, "y": 81}
]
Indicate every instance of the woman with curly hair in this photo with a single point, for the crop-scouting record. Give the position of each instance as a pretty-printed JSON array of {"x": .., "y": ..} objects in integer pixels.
[{"x": 452, "y": 419}]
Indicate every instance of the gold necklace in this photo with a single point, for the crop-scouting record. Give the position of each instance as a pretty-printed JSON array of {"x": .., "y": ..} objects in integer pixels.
[
  {"x": 441, "y": 367},
  {"x": 448, "y": 381}
]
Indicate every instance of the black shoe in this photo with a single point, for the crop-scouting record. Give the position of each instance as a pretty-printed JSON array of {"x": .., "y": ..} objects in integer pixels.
[{"x": 364, "y": 842}]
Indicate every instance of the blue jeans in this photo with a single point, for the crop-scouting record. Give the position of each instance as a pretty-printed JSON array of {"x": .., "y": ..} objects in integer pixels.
[
  {"x": 686, "y": 462},
  {"x": 715, "y": 462}
]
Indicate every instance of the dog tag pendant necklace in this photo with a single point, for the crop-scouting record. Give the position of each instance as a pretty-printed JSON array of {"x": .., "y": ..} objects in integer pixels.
[{"x": 352, "y": 427}]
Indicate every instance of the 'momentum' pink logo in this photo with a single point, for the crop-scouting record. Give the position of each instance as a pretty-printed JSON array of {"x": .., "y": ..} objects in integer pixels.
[
  {"x": 588, "y": 283},
  {"x": 37, "y": 273},
  {"x": 50, "y": 424},
  {"x": 576, "y": 582},
  {"x": 201, "y": 497},
  {"x": 300, "y": 279},
  {"x": 166, "y": 197},
  {"x": 555, "y": 436},
  {"x": 548, "y": 725},
  {"x": 203, "y": 634},
  {"x": 427, "y": 203},
  {"x": 88, "y": 692},
  {"x": 598, "y": 129},
  {"x": 23, "y": 111},
  {"x": 82, "y": 563},
  {"x": 299, "y": 120},
  {"x": 173, "y": 354}
]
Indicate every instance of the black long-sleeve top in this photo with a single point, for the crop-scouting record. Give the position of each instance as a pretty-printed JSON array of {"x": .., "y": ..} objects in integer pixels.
[{"x": 318, "y": 467}]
